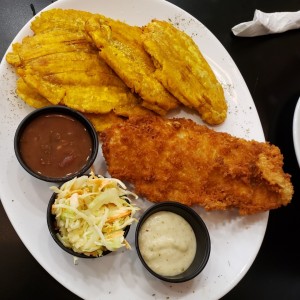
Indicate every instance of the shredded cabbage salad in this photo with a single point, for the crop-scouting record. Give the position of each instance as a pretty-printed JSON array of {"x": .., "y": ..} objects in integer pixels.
[{"x": 92, "y": 212}]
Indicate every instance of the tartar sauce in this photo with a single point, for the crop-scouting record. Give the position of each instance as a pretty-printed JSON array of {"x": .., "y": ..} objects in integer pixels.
[{"x": 167, "y": 243}]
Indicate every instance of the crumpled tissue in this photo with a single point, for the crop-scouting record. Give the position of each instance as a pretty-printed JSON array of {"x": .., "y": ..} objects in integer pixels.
[{"x": 268, "y": 23}]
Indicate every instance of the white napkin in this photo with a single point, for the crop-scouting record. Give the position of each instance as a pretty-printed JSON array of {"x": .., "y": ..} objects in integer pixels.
[{"x": 268, "y": 23}]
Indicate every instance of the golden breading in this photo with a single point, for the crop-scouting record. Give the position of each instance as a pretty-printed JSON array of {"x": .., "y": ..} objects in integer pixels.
[
  {"x": 183, "y": 70},
  {"x": 121, "y": 47},
  {"x": 179, "y": 160}
]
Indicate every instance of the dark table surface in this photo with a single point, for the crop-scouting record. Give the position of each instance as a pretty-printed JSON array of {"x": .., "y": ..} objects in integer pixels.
[{"x": 270, "y": 66}]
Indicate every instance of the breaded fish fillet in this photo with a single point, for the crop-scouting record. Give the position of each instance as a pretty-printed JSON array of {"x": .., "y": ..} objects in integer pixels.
[
  {"x": 183, "y": 70},
  {"x": 179, "y": 160},
  {"x": 121, "y": 48}
]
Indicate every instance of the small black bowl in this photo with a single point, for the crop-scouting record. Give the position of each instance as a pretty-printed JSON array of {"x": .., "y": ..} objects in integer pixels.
[
  {"x": 68, "y": 112},
  {"x": 51, "y": 222},
  {"x": 201, "y": 233}
]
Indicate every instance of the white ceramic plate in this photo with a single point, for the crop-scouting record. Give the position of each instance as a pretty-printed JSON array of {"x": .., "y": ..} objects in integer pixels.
[
  {"x": 296, "y": 130},
  {"x": 235, "y": 240}
]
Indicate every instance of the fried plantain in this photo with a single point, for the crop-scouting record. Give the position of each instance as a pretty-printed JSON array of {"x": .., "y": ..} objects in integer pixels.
[
  {"x": 183, "y": 70},
  {"x": 30, "y": 95},
  {"x": 98, "y": 65},
  {"x": 67, "y": 19},
  {"x": 61, "y": 65},
  {"x": 102, "y": 122},
  {"x": 121, "y": 47}
]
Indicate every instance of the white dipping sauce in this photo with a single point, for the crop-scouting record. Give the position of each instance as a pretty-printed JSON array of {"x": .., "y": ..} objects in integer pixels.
[{"x": 167, "y": 243}]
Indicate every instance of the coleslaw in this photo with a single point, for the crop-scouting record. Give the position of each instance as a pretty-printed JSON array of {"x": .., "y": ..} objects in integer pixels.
[{"x": 92, "y": 213}]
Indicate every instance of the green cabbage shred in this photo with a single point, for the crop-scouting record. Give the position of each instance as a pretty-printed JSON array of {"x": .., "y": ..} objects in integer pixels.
[{"x": 92, "y": 212}]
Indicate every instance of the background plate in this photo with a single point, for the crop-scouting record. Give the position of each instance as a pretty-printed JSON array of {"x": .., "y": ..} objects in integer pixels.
[
  {"x": 235, "y": 240},
  {"x": 296, "y": 131}
]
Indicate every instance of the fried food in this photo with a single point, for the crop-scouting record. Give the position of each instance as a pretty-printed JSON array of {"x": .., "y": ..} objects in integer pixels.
[
  {"x": 183, "y": 70},
  {"x": 65, "y": 68},
  {"x": 179, "y": 160},
  {"x": 98, "y": 65},
  {"x": 67, "y": 19},
  {"x": 30, "y": 96},
  {"x": 104, "y": 121},
  {"x": 59, "y": 64},
  {"x": 121, "y": 48}
]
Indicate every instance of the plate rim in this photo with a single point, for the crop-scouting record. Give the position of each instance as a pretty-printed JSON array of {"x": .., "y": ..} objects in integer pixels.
[{"x": 296, "y": 130}]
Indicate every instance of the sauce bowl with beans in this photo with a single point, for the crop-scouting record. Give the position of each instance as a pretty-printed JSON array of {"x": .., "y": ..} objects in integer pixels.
[
  {"x": 172, "y": 242},
  {"x": 56, "y": 144}
]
